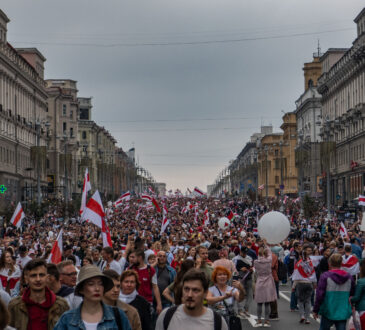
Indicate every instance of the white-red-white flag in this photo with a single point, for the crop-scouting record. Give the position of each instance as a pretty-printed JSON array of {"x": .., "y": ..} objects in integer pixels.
[
  {"x": 165, "y": 221},
  {"x": 94, "y": 211},
  {"x": 261, "y": 187},
  {"x": 107, "y": 239},
  {"x": 18, "y": 215},
  {"x": 206, "y": 217},
  {"x": 343, "y": 231},
  {"x": 361, "y": 200},
  {"x": 85, "y": 188},
  {"x": 124, "y": 198},
  {"x": 197, "y": 192},
  {"x": 57, "y": 250},
  {"x": 196, "y": 213},
  {"x": 350, "y": 264},
  {"x": 151, "y": 199}
]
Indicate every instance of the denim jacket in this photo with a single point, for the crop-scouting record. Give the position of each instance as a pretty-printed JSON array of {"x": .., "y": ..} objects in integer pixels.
[{"x": 71, "y": 320}]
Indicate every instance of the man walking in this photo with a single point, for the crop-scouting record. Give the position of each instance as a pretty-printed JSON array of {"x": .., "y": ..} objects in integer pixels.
[
  {"x": 165, "y": 275},
  {"x": 192, "y": 314},
  {"x": 39, "y": 308},
  {"x": 333, "y": 292}
]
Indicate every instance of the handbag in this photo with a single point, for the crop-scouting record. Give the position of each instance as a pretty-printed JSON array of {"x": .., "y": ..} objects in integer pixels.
[{"x": 234, "y": 322}]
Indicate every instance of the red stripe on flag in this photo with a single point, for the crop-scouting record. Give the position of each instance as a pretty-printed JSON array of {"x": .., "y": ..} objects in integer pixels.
[
  {"x": 96, "y": 207},
  {"x": 18, "y": 217}
]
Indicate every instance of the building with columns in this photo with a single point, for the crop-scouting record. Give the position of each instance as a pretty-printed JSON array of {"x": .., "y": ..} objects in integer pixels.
[
  {"x": 309, "y": 119},
  {"x": 63, "y": 144},
  {"x": 343, "y": 110},
  {"x": 23, "y": 117}
]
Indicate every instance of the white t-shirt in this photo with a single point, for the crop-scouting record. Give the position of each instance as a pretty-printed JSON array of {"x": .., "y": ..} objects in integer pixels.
[
  {"x": 181, "y": 321},
  {"x": 21, "y": 262},
  {"x": 90, "y": 326},
  {"x": 115, "y": 266}
]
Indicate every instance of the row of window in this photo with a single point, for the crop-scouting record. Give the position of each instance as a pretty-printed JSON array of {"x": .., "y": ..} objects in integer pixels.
[{"x": 356, "y": 153}]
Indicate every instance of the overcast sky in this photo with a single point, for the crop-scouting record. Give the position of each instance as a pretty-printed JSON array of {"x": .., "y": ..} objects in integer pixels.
[{"x": 184, "y": 82}]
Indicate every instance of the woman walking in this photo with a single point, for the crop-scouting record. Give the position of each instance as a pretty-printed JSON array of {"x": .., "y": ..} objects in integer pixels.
[{"x": 265, "y": 290}]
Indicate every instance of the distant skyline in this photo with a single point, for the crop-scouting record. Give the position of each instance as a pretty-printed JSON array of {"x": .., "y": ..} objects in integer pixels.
[{"x": 185, "y": 83}]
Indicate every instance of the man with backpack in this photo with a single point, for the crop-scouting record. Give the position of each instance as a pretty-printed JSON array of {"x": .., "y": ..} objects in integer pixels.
[
  {"x": 148, "y": 278},
  {"x": 192, "y": 314}
]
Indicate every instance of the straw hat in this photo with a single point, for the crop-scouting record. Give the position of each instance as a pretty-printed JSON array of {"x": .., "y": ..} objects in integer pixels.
[{"x": 90, "y": 271}]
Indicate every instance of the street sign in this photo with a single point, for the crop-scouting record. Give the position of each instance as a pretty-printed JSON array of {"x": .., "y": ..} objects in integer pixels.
[
  {"x": 281, "y": 187},
  {"x": 338, "y": 197},
  {"x": 3, "y": 189}
]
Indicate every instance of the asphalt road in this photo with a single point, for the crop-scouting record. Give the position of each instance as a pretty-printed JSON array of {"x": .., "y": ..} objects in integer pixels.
[{"x": 287, "y": 320}]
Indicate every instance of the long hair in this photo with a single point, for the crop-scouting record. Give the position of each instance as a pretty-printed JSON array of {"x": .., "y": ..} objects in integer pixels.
[
  {"x": 185, "y": 266},
  {"x": 3, "y": 264}
]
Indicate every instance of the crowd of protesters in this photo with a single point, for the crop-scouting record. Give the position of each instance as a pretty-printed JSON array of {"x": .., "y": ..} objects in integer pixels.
[{"x": 193, "y": 274}]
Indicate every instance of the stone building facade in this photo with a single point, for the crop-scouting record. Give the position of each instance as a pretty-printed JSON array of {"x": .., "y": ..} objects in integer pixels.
[
  {"x": 63, "y": 144},
  {"x": 343, "y": 109},
  {"x": 309, "y": 119},
  {"x": 23, "y": 115}
]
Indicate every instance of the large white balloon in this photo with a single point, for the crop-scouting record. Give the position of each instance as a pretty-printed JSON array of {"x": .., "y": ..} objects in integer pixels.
[
  {"x": 224, "y": 223},
  {"x": 274, "y": 227},
  {"x": 243, "y": 233}
]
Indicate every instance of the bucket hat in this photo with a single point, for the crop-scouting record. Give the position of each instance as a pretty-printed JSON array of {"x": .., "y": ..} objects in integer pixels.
[{"x": 90, "y": 271}]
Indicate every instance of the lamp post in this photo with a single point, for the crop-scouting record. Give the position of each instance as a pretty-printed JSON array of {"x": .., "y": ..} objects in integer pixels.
[
  {"x": 327, "y": 131},
  {"x": 266, "y": 149}
]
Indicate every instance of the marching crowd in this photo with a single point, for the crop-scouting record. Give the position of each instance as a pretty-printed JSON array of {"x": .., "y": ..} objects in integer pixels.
[{"x": 193, "y": 274}]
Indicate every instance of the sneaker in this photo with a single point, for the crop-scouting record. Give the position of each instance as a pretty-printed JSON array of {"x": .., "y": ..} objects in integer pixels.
[
  {"x": 302, "y": 320},
  {"x": 274, "y": 318},
  {"x": 258, "y": 324},
  {"x": 241, "y": 315},
  {"x": 307, "y": 322},
  {"x": 267, "y": 325}
]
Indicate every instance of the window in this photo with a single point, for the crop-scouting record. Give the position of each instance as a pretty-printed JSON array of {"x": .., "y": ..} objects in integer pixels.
[
  {"x": 84, "y": 135},
  {"x": 64, "y": 127},
  {"x": 71, "y": 113},
  {"x": 276, "y": 179},
  {"x": 64, "y": 110},
  {"x": 276, "y": 152},
  {"x": 71, "y": 132}
]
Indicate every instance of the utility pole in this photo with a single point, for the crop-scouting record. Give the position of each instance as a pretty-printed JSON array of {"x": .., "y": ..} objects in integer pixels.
[
  {"x": 38, "y": 129},
  {"x": 266, "y": 176},
  {"x": 66, "y": 177},
  {"x": 281, "y": 176},
  {"x": 328, "y": 170}
]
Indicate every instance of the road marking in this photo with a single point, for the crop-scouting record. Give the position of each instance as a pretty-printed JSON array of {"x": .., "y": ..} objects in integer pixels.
[
  {"x": 288, "y": 299},
  {"x": 252, "y": 319}
]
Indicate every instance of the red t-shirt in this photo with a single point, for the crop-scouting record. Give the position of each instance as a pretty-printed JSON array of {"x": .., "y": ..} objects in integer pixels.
[{"x": 145, "y": 277}]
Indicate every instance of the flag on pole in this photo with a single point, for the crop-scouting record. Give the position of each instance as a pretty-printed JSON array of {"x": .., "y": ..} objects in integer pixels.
[
  {"x": 230, "y": 215},
  {"x": 94, "y": 211},
  {"x": 151, "y": 199},
  {"x": 285, "y": 199},
  {"x": 261, "y": 187},
  {"x": 85, "y": 188},
  {"x": 343, "y": 231},
  {"x": 18, "y": 216},
  {"x": 165, "y": 221},
  {"x": 206, "y": 217},
  {"x": 124, "y": 198},
  {"x": 196, "y": 213},
  {"x": 57, "y": 250},
  {"x": 107, "y": 240},
  {"x": 198, "y": 192},
  {"x": 361, "y": 200}
]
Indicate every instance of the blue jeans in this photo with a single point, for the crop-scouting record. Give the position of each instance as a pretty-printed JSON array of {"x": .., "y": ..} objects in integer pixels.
[
  {"x": 326, "y": 324},
  {"x": 293, "y": 299}
]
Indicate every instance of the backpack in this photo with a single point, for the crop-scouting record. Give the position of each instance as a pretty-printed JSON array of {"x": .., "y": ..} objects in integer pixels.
[
  {"x": 282, "y": 271},
  {"x": 170, "y": 313}
]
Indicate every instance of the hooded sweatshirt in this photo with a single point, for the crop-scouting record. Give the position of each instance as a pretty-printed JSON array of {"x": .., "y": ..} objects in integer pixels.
[
  {"x": 333, "y": 292},
  {"x": 38, "y": 313}
]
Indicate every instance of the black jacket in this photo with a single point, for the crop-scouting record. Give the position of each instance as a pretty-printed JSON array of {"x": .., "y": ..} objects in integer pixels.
[{"x": 144, "y": 310}]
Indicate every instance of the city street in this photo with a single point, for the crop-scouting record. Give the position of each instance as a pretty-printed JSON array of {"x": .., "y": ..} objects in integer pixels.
[{"x": 288, "y": 320}]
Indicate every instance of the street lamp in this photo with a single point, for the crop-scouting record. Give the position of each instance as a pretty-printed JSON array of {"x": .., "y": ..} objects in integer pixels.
[{"x": 327, "y": 133}]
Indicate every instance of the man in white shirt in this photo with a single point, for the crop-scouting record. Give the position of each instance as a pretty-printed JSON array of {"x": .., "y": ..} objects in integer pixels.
[
  {"x": 23, "y": 257},
  {"x": 192, "y": 314},
  {"x": 108, "y": 256}
]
